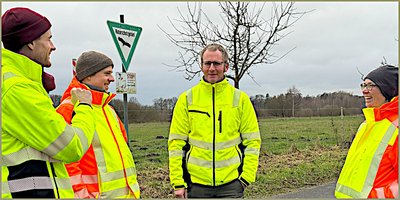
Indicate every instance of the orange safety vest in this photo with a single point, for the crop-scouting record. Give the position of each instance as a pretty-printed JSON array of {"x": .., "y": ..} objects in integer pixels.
[
  {"x": 98, "y": 174},
  {"x": 371, "y": 166}
]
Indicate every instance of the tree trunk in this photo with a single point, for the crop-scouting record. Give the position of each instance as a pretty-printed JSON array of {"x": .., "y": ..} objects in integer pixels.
[{"x": 236, "y": 84}]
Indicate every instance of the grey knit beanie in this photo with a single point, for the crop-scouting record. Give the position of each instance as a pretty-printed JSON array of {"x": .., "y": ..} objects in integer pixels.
[
  {"x": 90, "y": 63},
  {"x": 386, "y": 78}
]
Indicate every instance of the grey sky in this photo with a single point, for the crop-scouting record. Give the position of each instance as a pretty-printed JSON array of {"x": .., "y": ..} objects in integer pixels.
[{"x": 331, "y": 43}]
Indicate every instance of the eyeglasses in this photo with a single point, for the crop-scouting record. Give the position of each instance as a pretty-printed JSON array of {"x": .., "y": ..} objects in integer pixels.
[
  {"x": 214, "y": 63},
  {"x": 369, "y": 86}
]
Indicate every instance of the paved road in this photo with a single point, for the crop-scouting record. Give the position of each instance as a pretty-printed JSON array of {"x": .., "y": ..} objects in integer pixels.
[{"x": 322, "y": 191}]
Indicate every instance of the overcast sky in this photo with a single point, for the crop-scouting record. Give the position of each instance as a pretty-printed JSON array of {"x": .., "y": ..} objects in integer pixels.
[{"x": 331, "y": 43}]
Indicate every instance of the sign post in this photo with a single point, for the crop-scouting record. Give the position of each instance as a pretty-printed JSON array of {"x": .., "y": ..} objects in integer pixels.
[{"x": 125, "y": 37}]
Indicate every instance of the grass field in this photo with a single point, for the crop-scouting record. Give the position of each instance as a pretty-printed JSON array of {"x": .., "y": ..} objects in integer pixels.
[{"x": 295, "y": 153}]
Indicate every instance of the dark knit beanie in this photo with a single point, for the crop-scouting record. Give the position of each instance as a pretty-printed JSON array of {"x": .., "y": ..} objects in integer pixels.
[
  {"x": 90, "y": 63},
  {"x": 21, "y": 26},
  {"x": 386, "y": 78}
]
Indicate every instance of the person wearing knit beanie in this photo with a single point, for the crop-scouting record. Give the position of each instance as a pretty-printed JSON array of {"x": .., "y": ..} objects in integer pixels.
[
  {"x": 21, "y": 26},
  {"x": 26, "y": 32},
  {"x": 372, "y": 159},
  {"x": 386, "y": 79},
  {"x": 90, "y": 63},
  {"x": 36, "y": 140},
  {"x": 94, "y": 73}
]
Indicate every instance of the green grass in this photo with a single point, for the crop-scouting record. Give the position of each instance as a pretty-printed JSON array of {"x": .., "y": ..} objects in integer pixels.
[
  {"x": 149, "y": 143},
  {"x": 295, "y": 153}
]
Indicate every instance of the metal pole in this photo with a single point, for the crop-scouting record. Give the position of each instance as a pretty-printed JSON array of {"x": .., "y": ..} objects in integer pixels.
[
  {"x": 293, "y": 104},
  {"x": 342, "y": 119},
  {"x": 125, "y": 96}
]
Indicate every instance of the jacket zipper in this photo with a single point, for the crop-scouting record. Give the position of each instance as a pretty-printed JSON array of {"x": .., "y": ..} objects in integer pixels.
[
  {"x": 55, "y": 181},
  {"x": 213, "y": 103},
  {"x": 220, "y": 121}
]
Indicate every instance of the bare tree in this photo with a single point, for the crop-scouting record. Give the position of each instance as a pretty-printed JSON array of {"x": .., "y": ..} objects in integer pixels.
[
  {"x": 247, "y": 35},
  {"x": 294, "y": 94}
]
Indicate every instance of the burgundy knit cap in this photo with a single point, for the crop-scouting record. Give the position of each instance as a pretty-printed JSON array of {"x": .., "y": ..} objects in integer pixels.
[{"x": 21, "y": 26}]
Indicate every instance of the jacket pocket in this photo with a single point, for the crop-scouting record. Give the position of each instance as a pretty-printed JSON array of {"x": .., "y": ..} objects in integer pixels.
[
  {"x": 188, "y": 153},
  {"x": 239, "y": 152},
  {"x": 201, "y": 112},
  {"x": 199, "y": 119}
]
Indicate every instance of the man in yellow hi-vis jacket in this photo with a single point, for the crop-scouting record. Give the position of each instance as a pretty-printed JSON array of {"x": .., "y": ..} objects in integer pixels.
[
  {"x": 214, "y": 139},
  {"x": 36, "y": 141}
]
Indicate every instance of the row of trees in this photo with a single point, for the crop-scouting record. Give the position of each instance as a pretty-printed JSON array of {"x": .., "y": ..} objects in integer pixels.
[
  {"x": 289, "y": 104},
  {"x": 293, "y": 104}
]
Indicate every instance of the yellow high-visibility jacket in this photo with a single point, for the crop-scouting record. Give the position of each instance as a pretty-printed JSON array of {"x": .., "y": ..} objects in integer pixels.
[
  {"x": 107, "y": 170},
  {"x": 36, "y": 141},
  {"x": 371, "y": 166},
  {"x": 214, "y": 129}
]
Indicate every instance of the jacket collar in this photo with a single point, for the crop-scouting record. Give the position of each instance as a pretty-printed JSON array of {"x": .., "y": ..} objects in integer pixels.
[
  {"x": 218, "y": 85},
  {"x": 22, "y": 65},
  {"x": 388, "y": 111},
  {"x": 98, "y": 98}
]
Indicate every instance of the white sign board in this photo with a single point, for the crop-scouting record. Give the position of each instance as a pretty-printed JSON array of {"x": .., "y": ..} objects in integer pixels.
[{"x": 126, "y": 82}]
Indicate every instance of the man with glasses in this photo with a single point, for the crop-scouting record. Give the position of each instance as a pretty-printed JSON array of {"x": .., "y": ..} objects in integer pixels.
[
  {"x": 371, "y": 166},
  {"x": 214, "y": 138}
]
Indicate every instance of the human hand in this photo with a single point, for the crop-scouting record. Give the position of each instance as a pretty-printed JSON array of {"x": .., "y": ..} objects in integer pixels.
[
  {"x": 182, "y": 193},
  {"x": 84, "y": 96}
]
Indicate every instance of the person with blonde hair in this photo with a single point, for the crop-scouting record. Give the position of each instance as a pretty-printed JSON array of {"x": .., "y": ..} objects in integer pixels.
[{"x": 214, "y": 140}]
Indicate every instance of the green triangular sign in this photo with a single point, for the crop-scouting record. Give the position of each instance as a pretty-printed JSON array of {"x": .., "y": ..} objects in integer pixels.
[{"x": 125, "y": 37}]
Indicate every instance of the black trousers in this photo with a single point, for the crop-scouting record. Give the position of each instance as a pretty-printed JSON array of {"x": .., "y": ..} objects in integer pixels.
[{"x": 232, "y": 189}]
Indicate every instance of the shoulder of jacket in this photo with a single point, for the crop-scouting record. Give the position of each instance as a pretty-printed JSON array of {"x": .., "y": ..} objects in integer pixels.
[
  {"x": 66, "y": 102},
  {"x": 16, "y": 82}
]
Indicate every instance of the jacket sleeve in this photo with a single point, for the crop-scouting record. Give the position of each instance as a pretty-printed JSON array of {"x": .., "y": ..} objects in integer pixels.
[
  {"x": 394, "y": 153},
  {"x": 35, "y": 122},
  {"x": 66, "y": 109},
  {"x": 388, "y": 184},
  {"x": 75, "y": 174},
  {"x": 394, "y": 186},
  {"x": 178, "y": 136},
  {"x": 251, "y": 140}
]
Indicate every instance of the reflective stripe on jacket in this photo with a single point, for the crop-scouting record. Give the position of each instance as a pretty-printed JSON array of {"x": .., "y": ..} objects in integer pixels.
[
  {"x": 107, "y": 170},
  {"x": 36, "y": 141},
  {"x": 371, "y": 166},
  {"x": 220, "y": 126}
]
